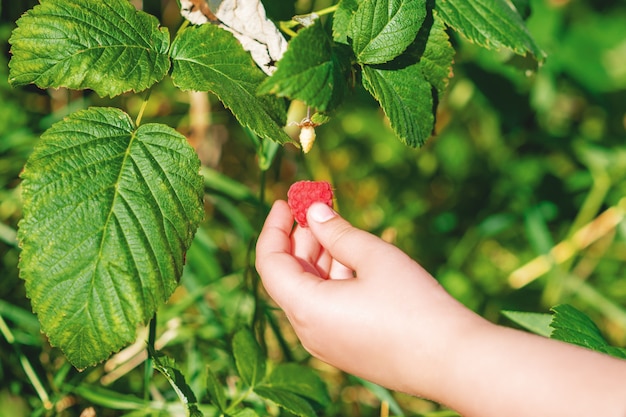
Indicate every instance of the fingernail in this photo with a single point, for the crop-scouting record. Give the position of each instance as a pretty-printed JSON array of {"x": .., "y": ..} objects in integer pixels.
[{"x": 320, "y": 212}]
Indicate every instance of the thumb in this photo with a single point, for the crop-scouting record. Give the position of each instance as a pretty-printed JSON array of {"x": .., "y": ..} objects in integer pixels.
[{"x": 352, "y": 247}]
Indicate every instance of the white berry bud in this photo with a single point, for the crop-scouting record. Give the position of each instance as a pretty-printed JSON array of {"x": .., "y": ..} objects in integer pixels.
[{"x": 307, "y": 137}]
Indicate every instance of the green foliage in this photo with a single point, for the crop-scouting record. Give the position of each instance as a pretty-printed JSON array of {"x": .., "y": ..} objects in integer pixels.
[
  {"x": 520, "y": 162},
  {"x": 572, "y": 326},
  {"x": 382, "y": 30},
  {"x": 167, "y": 368},
  {"x": 489, "y": 23},
  {"x": 312, "y": 70},
  {"x": 538, "y": 323},
  {"x": 102, "y": 206},
  {"x": 567, "y": 324},
  {"x": 207, "y": 58},
  {"x": 107, "y": 47}
]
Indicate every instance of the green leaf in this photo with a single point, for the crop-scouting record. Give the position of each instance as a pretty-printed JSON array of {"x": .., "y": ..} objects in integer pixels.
[
  {"x": 538, "y": 323},
  {"x": 107, "y": 46},
  {"x": 167, "y": 368},
  {"x": 249, "y": 359},
  {"x": 407, "y": 88},
  {"x": 109, "y": 211},
  {"x": 382, "y": 29},
  {"x": 573, "y": 326},
  {"x": 341, "y": 19},
  {"x": 287, "y": 400},
  {"x": 215, "y": 390},
  {"x": 300, "y": 380},
  {"x": 208, "y": 58},
  {"x": 311, "y": 70},
  {"x": 438, "y": 56},
  {"x": 405, "y": 96},
  {"x": 492, "y": 24}
]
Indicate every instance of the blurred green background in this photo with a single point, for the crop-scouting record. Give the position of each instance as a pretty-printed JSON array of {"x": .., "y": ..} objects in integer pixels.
[{"x": 520, "y": 162}]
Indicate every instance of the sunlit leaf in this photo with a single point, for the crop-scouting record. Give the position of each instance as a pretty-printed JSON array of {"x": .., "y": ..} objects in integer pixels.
[
  {"x": 109, "y": 211},
  {"x": 492, "y": 24},
  {"x": 573, "y": 326},
  {"x": 208, "y": 58},
  {"x": 382, "y": 29},
  {"x": 312, "y": 70},
  {"x": 107, "y": 46}
]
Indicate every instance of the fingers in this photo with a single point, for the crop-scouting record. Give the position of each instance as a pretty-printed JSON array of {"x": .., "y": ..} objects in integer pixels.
[
  {"x": 284, "y": 276},
  {"x": 351, "y": 247}
]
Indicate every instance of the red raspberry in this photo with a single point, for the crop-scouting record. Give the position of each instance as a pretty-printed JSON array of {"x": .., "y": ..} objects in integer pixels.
[{"x": 302, "y": 194}]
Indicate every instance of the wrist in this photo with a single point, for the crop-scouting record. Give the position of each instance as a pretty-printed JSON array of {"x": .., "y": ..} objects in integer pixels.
[{"x": 440, "y": 347}]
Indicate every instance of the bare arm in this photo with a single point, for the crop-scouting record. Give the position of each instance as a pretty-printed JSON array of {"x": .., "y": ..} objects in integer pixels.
[{"x": 364, "y": 306}]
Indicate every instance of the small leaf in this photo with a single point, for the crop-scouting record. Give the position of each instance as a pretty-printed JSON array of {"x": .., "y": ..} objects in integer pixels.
[
  {"x": 287, "y": 400},
  {"x": 312, "y": 70},
  {"x": 109, "y": 211},
  {"x": 300, "y": 380},
  {"x": 167, "y": 368},
  {"x": 249, "y": 359},
  {"x": 215, "y": 390},
  {"x": 538, "y": 323},
  {"x": 208, "y": 58},
  {"x": 492, "y": 24},
  {"x": 109, "y": 47},
  {"x": 382, "y": 29},
  {"x": 573, "y": 326}
]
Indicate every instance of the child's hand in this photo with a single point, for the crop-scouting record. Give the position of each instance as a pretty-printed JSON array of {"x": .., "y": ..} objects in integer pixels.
[
  {"x": 364, "y": 306},
  {"x": 357, "y": 302}
]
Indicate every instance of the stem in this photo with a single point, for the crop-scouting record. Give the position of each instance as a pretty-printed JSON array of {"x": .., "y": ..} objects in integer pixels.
[
  {"x": 149, "y": 368},
  {"x": 143, "y": 108},
  {"x": 327, "y": 10},
  {"x": 286, "y": 25},
  {"x": 28, "y": 368}
]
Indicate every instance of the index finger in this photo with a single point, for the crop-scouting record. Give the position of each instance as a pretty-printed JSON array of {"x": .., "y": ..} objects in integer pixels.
[{"x": 283, "y": 275}]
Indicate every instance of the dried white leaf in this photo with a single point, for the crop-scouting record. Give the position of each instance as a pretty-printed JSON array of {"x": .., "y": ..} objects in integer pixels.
[{"x": 248, "y": 22}]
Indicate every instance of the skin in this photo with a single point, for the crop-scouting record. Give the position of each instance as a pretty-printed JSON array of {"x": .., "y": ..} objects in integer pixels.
[{"x": 363, "y": 306}]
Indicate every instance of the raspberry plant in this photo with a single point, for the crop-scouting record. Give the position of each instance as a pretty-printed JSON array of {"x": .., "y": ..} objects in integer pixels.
[{"x": 111, "y": 205}]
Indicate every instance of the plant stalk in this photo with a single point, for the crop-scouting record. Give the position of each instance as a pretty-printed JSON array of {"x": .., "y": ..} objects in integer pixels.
[{"x": 149, "y": 365}]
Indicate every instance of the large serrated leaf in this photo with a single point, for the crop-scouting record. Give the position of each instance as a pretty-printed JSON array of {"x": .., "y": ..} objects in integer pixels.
[
  {"x": 107, "y": 46},
  {"x": 382, "y": 29},
  {"x": 208, "y": 58},
  {"x": 489, "y": 23},
  {"x": 109, "y": 211},
  {"x": 311, "y": 70}
]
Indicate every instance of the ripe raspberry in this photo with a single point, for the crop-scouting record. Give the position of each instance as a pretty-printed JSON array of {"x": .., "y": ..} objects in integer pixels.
[{"x": 302, "y": 194}]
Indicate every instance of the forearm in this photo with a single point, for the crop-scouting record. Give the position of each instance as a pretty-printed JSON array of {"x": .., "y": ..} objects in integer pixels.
[{"x": 500, "y": 371}]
